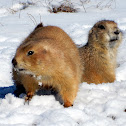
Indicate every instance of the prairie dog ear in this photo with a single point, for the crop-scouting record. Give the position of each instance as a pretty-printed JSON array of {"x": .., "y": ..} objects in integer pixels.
[
  {"x": 91, "y": 31},
  {"x": 44, "y": 51},
  {"x": 39, "y": 25}
]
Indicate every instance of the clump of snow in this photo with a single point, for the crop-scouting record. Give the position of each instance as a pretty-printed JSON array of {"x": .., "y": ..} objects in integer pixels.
[
  {"x": 95, "y": 105},
  {"x": 40, "y": 83}
]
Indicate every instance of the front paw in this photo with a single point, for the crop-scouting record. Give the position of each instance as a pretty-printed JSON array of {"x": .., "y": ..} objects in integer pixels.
[{"x": 29, "y": 97}]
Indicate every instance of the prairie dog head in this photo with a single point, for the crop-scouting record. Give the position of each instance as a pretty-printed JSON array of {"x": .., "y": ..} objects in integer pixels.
[
  {"x": 105, "y": 33},
  {"x": 36, "y": 58}
]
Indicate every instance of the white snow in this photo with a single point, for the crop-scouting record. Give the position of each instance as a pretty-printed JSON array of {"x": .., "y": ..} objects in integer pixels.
[{"x": 95, "y": 105}]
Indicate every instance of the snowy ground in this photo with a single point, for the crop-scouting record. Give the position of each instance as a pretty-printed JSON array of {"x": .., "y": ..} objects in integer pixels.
[{"x": 95, "y": 105}]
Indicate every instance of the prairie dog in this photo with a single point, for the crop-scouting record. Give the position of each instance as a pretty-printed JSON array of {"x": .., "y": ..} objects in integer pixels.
[
  {"x": 48, "y": 57},
  {"x": 99, "y": 54}
]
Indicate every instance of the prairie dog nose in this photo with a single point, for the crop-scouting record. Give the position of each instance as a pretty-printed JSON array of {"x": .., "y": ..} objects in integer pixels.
[{"x": 14, "y": 62}]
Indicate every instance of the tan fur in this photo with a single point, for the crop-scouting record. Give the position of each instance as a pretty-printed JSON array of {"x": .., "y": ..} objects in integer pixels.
[
  {"x": 99, "y": 54},
  {"x": 55, "y": 63}
]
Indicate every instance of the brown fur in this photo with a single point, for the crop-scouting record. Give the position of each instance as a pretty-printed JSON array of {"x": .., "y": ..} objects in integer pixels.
[
  {"x": 99, "y": 54},
  {"x": 55, "y": 62}
]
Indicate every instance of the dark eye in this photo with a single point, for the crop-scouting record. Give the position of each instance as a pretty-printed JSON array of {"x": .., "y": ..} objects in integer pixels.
[
  {"x": 30, "y": 53},
  {"x": 101, "y": 27}
]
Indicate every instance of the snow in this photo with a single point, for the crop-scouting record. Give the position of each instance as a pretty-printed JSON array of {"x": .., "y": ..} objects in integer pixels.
[{"x": 95, "y": 105}]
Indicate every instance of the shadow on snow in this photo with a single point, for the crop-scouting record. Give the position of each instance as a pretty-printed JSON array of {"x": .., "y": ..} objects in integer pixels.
[{"x": 6, "y": 90}]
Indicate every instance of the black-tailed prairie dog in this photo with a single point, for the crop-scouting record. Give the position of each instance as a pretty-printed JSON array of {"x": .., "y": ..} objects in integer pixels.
[
  {"x": 48, "y": 57},
  {"x": 100, "y": 52}
]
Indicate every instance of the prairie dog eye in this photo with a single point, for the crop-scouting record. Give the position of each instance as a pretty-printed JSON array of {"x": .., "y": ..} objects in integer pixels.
[
  {"x": 101, "y": 26},
  {"x": 30, "y": 53}
]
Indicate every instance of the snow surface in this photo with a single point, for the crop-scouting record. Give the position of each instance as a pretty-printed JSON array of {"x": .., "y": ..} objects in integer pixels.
[{"x": 95, "y": 105}]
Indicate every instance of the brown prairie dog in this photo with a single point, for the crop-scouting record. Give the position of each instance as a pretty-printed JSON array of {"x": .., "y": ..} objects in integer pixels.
[
  {"x": 50, "y": 57},
  {"x": 99, "y": 54}
]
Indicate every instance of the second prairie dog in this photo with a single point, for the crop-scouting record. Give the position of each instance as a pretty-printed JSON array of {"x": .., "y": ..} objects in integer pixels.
[
  {"x": 48, "y": 57},
  {"x": 100, "y": 52}
]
